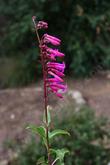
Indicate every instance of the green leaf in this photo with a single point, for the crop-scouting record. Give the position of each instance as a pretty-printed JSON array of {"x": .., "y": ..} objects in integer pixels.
[
  {"x": 48, "y": 115},
  {"x": 60, "y": 154},
  {"x": 58, "y": 132},
  {"x": 60, "y": 163},
  {"x": 39, "y": 130},
  {"x": 41, "y": 160}
]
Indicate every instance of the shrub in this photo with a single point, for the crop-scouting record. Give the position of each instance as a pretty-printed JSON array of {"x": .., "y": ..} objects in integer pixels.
[
  {"x": 19, "y": 71},
  {"x": 88, "y": 143}
]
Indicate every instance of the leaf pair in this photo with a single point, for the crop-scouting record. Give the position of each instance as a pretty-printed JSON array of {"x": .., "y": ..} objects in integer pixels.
[{"x": 42, "y": 131}]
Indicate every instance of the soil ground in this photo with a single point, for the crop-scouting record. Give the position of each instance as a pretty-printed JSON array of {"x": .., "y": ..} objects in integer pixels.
[{"x": 20, "y": 107}]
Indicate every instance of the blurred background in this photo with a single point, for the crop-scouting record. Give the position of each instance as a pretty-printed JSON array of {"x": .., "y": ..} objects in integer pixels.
[{"x": 84, "y": 28}]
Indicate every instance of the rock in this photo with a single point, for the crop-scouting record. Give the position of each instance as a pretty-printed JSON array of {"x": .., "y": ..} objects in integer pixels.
[
  {"x": 108, "y": 76},
  {"x": 77, "y": 96},
  {"x": 12, "y": 116}
]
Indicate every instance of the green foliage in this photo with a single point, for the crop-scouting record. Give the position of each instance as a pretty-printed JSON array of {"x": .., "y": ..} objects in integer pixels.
[
  {"x": 83, "y": 27},
  {"x": 41, "y": 161},
  {"x": 30, "y": 153},
  {"x": 39, "y": 130},
  {"x": 88, "y": 143},
  {"x": 60, "y": 153},
  {"x": 17, "y": 71},
  {"x": 19, "y": 40},
  {"x": 42, "y": 132},
  {"x": 57, "y": 132}
]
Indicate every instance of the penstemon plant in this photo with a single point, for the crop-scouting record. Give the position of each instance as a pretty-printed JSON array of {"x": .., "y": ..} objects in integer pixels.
[{"x": 53, "y": 73}]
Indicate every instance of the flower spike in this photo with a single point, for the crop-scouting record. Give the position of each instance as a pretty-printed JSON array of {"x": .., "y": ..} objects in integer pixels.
[{"x": 53, "y": 70}]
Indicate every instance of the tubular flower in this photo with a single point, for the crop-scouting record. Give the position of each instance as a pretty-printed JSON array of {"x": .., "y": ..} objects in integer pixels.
[
  {"x": 42, "y": 25},
  {"x": 53, "y": 70},
  {"x": 57, "y": 66},
  {"x": 55, "y": 52},
  {"x": 50, "y": 39}
]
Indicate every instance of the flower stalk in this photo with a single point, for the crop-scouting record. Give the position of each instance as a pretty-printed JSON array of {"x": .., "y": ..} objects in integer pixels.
[
  {"x": 45, "y": 93},
  {"x": 53, "y": 73}
]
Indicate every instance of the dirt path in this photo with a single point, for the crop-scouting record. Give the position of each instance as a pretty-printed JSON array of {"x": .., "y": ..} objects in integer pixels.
[{"x": 20, "y": 107}]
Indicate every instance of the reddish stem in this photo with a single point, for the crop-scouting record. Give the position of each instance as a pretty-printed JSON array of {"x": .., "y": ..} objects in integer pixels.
[{"x": 45, "y": 94}]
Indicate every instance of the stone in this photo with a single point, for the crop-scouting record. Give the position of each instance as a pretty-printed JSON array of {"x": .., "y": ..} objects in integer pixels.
[{"x": 77, "y": 96}]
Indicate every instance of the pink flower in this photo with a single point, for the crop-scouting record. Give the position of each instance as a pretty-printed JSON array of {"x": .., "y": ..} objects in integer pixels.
[
  {"x": 49, "y": 80},
  {"x": 50, "y": 39},
  {"x": 58, "y": 86},
  {"x": 57, "y": 66},
  {"x": 33, "y": 18},
  {"x": 54, "y": 70},
  {"x": 57, "y": 72},
  {"x": 59, "y": 95},
  {"x": 55, "y": 52},
  {"x": 42, "y": 25},
  {"x": 58, "y": 89},
  {"x": 56, "y": 76}
]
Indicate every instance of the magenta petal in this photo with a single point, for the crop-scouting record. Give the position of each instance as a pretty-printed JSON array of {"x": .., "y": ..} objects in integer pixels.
[
  {"x": 52, "y": 37},
  {"x": 55, "y": 52},
  {"x": 61, "y": 86},
  {"x": 56, "y": 63},
  {"x": 52, "y": 80},
  {"x": 54, "y": 90},
  {"x": 57, "y": 66},
  {"x": 53, "y": 42},
  {"x": 57, "y": 72},
  {"x": 59, "y": 95},
  {"x": 56, "y": 76},
  {"x": 42, "y": 25}
]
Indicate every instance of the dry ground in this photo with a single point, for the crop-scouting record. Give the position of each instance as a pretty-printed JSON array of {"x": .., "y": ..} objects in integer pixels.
[{"x": 96, "y": 92}]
